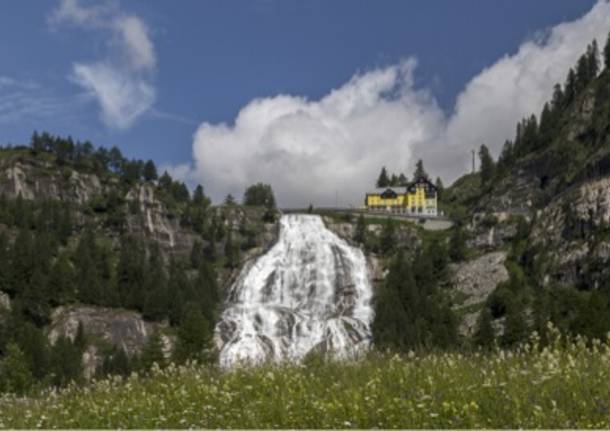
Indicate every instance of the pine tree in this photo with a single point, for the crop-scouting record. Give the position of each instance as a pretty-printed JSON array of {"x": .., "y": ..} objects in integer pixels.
[
  {"x": 150, "y": 171},
  {"x": 487, "y": 165},
  {"x": 440, "y": 188},
  {"x": 66, "y": 362},
  {"x": 402, "y": 180},
  {"x": 388, "y": 237},
  {"x": 156, "y": 302},
  {"x": 420, "y": 172},
  {"x": 231, "y": 251},
  {"x": 196, "y": 254},
  {"x": 593, "y": 60},
  {"x": 515, "y": 327},
  {"x": 383, "y": 180},
  {"x": 484, "y": 335},
  {"x": 194, "y": 335},
  {"x": 457, "y": 244},
  {"x": 15, "y": 376},
  {"x": 207, "y": 288},
  {"x": 229, "y": 200},
  {"x": 360, "y": 230},
  {"x": 607, "y": 53},
  {"x": 153, "y": 352},
  {"x": 61, "y": 282}
]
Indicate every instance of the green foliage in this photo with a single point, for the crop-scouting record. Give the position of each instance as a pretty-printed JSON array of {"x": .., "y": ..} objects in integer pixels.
[
  {"x": 384, "y": 179},
  {"x": 152, "y": 353},
  {"x": 457, "y": 244},
  {"x": 607, "y": 53},
  {"x": 360, "y": 230},
  {"x": 487, "y": 165},
  {"x": 411, "y": 312},
  {"x": 15, "y": 376},
  {"x": 420, "y": 172},
  {"x": 194, "y": 335},
  {"x": 259, "y": 195},
  {"x": 484, "y": 335},
  {"x": 559, "y": 387},
  {"x": 388, "y": 238}
]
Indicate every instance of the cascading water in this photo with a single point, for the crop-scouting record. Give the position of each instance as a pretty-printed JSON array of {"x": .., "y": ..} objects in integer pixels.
[{"x": 309, "y": 292}]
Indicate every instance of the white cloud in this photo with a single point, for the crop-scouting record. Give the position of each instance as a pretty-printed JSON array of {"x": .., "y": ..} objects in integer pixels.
[
  {"x": 309, "y": 149},
  {"x": 122, "y": 98},
  {"x": 121, "y": 83},
  {"x": 518, "y": 85}
]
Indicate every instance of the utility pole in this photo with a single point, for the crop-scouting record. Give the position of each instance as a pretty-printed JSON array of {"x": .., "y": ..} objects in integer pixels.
[{"x": 473, "y": 165}]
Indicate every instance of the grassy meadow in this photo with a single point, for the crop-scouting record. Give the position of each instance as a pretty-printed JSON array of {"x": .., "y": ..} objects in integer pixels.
[{"x": 564, "y": 385}]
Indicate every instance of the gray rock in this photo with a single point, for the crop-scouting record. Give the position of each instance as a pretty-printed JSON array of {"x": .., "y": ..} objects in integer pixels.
[
  {"x": 5, "y": 302},
  {"x": 120, "y": 328},
  {"x": 476, "y": 280}
]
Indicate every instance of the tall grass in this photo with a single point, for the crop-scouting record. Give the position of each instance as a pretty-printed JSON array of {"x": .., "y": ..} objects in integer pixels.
[{"x": 564, "y": 385}]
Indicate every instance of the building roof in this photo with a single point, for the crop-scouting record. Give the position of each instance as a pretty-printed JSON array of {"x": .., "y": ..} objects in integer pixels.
[{"x": 380, "y": 190}]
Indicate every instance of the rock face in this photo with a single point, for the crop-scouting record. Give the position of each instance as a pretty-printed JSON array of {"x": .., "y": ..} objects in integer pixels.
[
  {"x": 5, "y": 302},
  {"x": 35, "y": 179},
  {"x": 153, "y": 220},
  {"x": 476, "y": 280},
  {"x": 572, "y": 233},
  {"x": 120, "y": 328}
]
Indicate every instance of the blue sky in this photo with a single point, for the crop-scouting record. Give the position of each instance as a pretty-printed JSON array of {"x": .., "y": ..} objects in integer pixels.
[{"x": 191, "y": 65}]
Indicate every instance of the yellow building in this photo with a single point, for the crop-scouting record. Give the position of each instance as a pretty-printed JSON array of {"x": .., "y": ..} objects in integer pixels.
[{"x": 418, "y": 198}]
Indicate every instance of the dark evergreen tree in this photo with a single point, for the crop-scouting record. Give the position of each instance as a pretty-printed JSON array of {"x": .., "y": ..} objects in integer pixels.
[
  {"x": 487, "y": 165},
  {"x": 150, "y": 171},
  {"x": 457, "y": 244},
  {"x": 388, "y": 237},
  {"x": 440, "y": 188},
  {"x": 66, "y": 362},
  {"x": 153, "y": 352},
  {"x": 607, "y": 53},
  {"x": 156, "y": 304},
  {"x": 115, "y": 363},
  {"x": 194, "y": 335},
  {"x": 593, "y": 60},
  {"x": 383, "y": 180},
  {"x": 402, "y": 180},
  {"x": 420, "y": 172},
  {"x": 231, "y": 251},
  {"x": 196, "y": 254},
  {"x": 484, "y": 335},
  {"x": 130, "y": 273},
  {"x": 61, "y": 282},
  {"x": 360, "y": 230},
  {"x": 15, "y": 376}
]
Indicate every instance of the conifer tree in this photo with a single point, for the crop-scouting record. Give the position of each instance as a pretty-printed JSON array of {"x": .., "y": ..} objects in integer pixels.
[
  {"x": 484, "y": 334},
  {"x": 388, "y": 237},
  {"x": 487, "y": 165},
  {"x": 194, "y": 335},
  {"x": 420, "y": 172},
  {"x": 440, "y": 188},
  {"x": 360, "y": 230},
  {"x": 15, "y": 376},
  {"x": 457, "y": 244},
  {"x": 61, "y": 282},
  {"x": 607, "y": 53},
  {"x": 150, "y": 171},
  {"x": 593, "y": 60},
  {"x": 66, "y": 362},
  {"x": 153, "y": 352},
  {"x": 383, "y": 180},
  {"x": 231, "y": 251}
]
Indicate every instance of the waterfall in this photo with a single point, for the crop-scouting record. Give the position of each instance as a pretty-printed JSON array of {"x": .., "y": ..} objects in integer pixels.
[{"x": 310, "y": 292}]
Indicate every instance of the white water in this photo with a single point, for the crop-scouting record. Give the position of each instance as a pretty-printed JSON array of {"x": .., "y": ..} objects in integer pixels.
[{"x": 310, "y": 291}]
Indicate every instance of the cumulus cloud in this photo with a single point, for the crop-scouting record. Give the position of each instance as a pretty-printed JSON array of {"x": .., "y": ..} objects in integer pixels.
[
  {"x": 311, "y": 149},
  {"x": 121, "y": 83}
]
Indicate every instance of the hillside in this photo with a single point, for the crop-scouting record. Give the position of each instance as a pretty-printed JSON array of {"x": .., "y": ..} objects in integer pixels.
[
  {"x": 101, "y": 258},
  {"x": 546, "y": 202}
]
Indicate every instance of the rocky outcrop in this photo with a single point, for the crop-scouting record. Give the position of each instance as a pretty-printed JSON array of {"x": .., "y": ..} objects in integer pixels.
[
  {"x": 149, "y": 217},
  {"x": 5, "y": 302},
  {"x": 572, "y": 232},
  {"x": 36, "y": 179},
  {"x": 474, "y": 282},
  {"x": 120, "y": 328}
]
